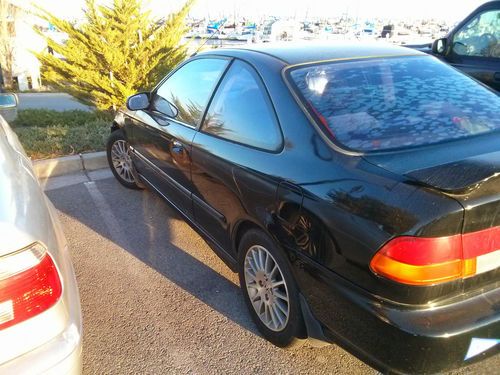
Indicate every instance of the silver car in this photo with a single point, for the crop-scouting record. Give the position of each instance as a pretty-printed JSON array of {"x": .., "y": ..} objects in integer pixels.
[{"x": 40, "y": 315}]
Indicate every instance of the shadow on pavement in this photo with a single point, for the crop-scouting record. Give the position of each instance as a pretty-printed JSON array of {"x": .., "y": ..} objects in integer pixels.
[{"x": 146, "y": 227}]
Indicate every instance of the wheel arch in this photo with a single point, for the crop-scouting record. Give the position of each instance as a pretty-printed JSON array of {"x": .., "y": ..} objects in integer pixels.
[
  {"x": 240, "y": 229},
  {"x": 244, "y": 225}
]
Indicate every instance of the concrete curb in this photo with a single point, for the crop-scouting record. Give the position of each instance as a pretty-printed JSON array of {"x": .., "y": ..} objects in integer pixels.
[{"x": 70, "y": 164}]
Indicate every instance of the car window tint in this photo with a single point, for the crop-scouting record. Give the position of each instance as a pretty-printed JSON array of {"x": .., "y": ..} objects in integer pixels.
[
  {"x": 391, "y": 103},
  {"x": 480, "y": 36},
  {"x": 189, "y": 89},
  {"x": 241, "y": 110}
]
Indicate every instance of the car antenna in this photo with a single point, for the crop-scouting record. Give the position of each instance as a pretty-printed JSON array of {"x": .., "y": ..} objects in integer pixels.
[{"x": 211, "y": 36}]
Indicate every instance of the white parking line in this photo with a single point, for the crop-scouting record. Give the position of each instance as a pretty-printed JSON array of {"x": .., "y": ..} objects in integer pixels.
[
  {"x": 114, "y": 229},
  {"x": 58, "y": 182}
]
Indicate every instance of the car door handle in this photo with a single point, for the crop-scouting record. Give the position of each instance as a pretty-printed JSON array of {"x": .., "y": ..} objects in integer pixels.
[
  {"x": 177, "y": 147},
  {"x": 497, "y": 76}
]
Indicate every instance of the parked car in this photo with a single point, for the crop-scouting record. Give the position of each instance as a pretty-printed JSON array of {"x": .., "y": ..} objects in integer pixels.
[
  {"x": 357, "y": 196},
  {"x": 40, "y": 317},
  {"x": 473, "y": 46},
  {"x": 8, "y": 106}
]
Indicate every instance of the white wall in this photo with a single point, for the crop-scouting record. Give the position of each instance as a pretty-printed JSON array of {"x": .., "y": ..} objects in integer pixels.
[{"x": 26, "y": 41}]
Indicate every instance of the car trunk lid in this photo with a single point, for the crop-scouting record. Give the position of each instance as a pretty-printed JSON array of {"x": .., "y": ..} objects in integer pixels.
[
  {"x": 472, "y": 180},
  {"x": 471, "y": 176}
]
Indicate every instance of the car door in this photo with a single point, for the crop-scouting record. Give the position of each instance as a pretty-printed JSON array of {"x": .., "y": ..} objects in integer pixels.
[
  {"x": 475, "y": 48},
  {"x": 161, "y": 136},
  {"x": 239, "y": 136}
]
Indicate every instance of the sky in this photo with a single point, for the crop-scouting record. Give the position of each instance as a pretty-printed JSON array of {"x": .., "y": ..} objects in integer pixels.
[{"x": 448, "y": 10}]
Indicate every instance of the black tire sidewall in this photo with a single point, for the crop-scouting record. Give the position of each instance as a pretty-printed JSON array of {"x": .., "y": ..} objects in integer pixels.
[
  {"x": 295, "y": 325},
  {"x": 117, "y": 135}
]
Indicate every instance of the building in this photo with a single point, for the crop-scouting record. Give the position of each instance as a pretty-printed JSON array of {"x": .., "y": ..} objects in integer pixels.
[{"x": 17, "y": 41}]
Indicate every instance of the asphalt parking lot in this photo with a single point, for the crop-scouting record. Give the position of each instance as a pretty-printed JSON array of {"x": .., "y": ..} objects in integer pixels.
[{"x": 157, "y": 300}]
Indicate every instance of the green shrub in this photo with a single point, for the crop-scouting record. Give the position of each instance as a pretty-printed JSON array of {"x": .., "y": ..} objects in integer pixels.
[
  {"x": 47, "y": 133},
  {"x": 53, "y": 141},
  {"x": 45, "y": 117}
]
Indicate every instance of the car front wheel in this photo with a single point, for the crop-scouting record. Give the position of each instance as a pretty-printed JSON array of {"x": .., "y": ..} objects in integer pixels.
[
  {"x": 269, "y": 289},
  {"x": 119, "y": 160}
]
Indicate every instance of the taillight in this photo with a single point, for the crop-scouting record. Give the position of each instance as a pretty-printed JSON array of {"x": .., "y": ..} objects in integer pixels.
[
  {"x": 427, "y": 261},
  {"x": 29, "y": 285}
]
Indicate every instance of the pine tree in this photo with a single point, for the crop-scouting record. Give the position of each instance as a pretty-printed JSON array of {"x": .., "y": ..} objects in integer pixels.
[{"x": 119, "y": 50}]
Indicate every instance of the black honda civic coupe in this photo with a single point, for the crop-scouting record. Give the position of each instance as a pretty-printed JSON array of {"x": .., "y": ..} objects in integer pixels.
[{"x": 355, "y": 189}]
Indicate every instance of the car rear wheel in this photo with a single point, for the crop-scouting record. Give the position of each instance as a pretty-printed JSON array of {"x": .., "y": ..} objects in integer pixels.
[
  {"x": 119, "y": 160},
  {"x": 269, "y": 289}
]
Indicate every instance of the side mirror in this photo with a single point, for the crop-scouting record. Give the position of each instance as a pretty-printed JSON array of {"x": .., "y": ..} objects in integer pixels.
[
  {"x": 165, "y": 107},
  {"x": 439, "y": 46},
  {"x": 138, "y": 101},
  {"x": 8, "y": 101},
  {"x": 174, "y": 111}
]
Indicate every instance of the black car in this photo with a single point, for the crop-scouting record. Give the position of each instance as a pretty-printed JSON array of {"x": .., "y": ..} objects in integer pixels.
[
  {"x": 473, "y": 46},
  {"x": 355, "y": 188}
]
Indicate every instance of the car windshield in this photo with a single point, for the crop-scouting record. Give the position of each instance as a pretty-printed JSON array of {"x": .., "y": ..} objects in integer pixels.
[{"x": 394, "y": 103}]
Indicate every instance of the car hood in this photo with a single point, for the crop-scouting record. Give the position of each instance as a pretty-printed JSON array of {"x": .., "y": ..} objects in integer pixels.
[{"x": 23, "y": 211}]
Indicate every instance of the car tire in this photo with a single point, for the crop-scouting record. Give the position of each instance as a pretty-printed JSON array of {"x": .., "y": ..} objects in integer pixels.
[
  {"x": 268, "y": 291},
  {"x": 119, "y": 160}
]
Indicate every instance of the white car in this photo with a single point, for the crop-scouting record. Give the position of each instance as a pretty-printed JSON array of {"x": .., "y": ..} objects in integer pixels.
[{"x": 40, "y": 315}]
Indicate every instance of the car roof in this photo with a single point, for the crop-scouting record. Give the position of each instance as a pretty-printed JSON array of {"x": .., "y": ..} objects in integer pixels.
[{"x": 293, "y": 53}]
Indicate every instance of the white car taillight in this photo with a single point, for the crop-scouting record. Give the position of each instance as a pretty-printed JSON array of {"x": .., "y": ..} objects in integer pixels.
[{"x": 29, "y": 284}]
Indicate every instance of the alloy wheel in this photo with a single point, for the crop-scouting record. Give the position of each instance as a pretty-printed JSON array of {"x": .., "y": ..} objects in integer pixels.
[
  {"x": 267, "y": 288},
  {"x": 122, "y": 163}
]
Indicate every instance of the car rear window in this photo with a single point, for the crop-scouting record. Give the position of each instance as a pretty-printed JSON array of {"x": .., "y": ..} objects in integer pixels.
[{"x": 393, "y": 103}]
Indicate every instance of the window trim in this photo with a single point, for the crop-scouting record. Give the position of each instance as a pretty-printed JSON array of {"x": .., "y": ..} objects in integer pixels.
[
  {"x": 281, "y": 145},
  {"x": 179, "y": 67}
]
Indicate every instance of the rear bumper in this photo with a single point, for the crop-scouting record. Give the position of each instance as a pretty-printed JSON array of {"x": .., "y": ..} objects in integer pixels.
[
  {"x": 61, "y": 355},
  {"x": 406, "y": 339},
  {"x": 51, "y": 342}
]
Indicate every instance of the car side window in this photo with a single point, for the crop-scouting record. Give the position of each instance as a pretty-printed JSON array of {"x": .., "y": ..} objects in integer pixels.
[
  {"x": 189, "y": 89},
  {"x": 480, "y": 36},
  {"x": 241, "y": 110}
]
